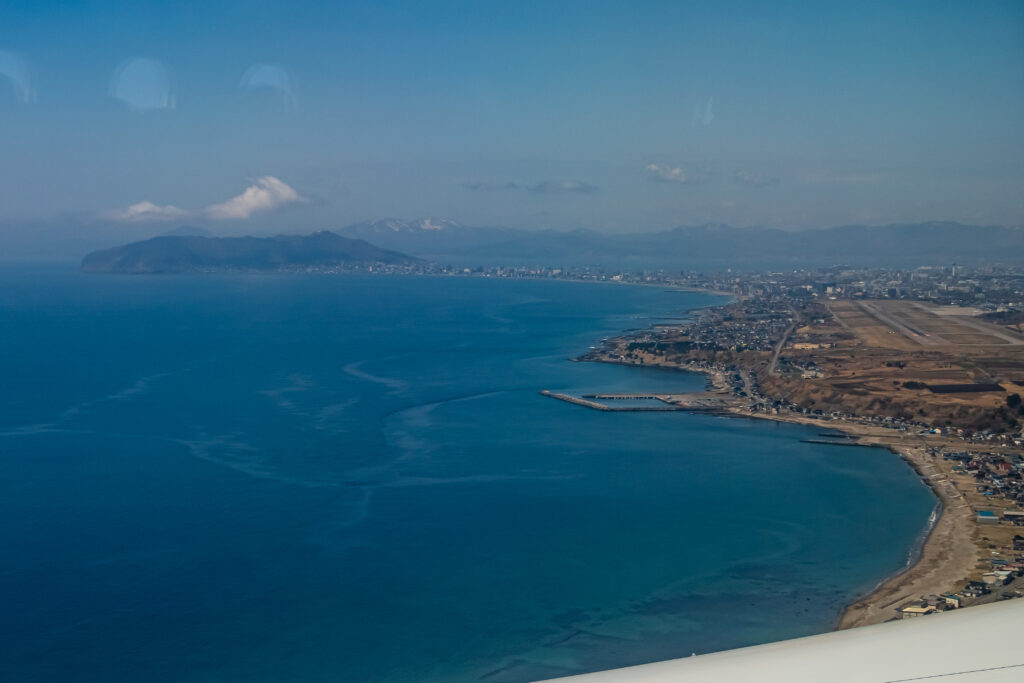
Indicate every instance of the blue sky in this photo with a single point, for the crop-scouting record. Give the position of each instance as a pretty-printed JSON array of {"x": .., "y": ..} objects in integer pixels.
[{"x": 608, "y": 115}]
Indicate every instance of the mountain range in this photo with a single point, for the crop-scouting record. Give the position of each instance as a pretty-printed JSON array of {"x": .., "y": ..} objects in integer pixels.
[
  {"x": 445, "y": 242},
  {"x": 178, "y": 253},
  {"x": 700, "y": 247}
]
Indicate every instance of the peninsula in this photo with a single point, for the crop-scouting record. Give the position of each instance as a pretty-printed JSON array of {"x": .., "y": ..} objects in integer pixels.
[{"x": 196, "y": 253}]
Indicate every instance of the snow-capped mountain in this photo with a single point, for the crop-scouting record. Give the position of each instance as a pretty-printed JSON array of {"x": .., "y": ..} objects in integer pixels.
[
  {"x": 434, "y": 238},
  {"x": 395, "y": 226}
]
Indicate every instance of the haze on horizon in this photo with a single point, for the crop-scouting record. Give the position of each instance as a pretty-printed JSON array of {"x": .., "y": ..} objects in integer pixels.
[{"x": 120, "y": 120}]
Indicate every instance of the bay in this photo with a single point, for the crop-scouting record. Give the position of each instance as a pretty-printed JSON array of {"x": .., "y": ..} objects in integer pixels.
[{"x": 354, "y": 478}]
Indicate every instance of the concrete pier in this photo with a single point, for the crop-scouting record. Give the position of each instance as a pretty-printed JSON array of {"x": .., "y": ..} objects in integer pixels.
[{"x": 672, "y": 402}]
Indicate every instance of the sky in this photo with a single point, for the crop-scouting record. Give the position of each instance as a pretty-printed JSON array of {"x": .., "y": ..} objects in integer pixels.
[{"x": 121, "y": 119}]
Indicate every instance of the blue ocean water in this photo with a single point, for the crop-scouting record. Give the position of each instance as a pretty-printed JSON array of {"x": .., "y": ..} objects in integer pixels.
[{"x": 354, "y": 478}]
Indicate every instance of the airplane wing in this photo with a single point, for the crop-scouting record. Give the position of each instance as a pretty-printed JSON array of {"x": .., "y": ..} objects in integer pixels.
[{"x": 983, "y": 644}]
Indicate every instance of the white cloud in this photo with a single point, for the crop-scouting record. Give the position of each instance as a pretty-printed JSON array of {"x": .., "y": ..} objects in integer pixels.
[
  {"x": 266, "y": 194},
  {"x": 147, "y": 211},
  {"x": 669, "y": 174}
]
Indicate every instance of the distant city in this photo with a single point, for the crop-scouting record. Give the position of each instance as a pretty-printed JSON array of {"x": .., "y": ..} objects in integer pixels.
[{"x": 995, "y": 289}]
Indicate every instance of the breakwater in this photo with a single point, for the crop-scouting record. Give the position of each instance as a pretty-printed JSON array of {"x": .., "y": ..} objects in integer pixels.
[{"x": 702, "y": 403}]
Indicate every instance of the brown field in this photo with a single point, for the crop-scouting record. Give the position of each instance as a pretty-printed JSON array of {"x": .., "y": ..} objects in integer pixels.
[
  {"x": 869, "y": 329},
  {"x": 892, "y": 343},
  {"x": 1008, "y": 369},
  {"x": 972, "y": 338},
  {"x": 942, "y": 376},
  {"x": 914, "y": 325}
]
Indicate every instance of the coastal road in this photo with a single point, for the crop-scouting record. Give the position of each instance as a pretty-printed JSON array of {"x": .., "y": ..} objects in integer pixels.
[{"x": 778, "y": 347}]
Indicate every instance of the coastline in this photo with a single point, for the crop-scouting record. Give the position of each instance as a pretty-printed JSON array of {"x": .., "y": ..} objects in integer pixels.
[{"x": 945, "y": 552}]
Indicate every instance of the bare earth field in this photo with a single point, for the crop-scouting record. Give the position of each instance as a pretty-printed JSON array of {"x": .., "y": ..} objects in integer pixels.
[
  {"x": 892, "y": 352},
  {"x": 914, "y": 325}
]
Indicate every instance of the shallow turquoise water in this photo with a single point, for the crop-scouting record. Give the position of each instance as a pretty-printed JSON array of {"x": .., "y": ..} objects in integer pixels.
[{"x": 354, "y": 478}]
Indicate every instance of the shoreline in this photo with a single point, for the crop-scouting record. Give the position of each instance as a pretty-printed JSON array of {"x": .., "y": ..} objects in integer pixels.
[
  {"x": 943, "y": 554},
  {"x": 913, "y": 558}
]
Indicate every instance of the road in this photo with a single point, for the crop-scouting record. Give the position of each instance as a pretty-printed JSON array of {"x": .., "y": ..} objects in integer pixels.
[{"x": 778, "y": 347}]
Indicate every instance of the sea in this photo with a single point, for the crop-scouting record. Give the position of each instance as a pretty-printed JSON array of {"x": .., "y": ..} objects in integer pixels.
[{"x": 310, "y": 477}]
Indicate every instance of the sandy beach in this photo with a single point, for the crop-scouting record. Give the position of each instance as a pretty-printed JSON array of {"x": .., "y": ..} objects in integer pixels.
[
  {"x": 951, "y": 549},
  {"x": 953, "y": 546},
  {"x": 948, "y": 555}
]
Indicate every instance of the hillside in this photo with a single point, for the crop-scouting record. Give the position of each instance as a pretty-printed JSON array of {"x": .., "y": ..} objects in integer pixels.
[{"x": 191, "y": 253}]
